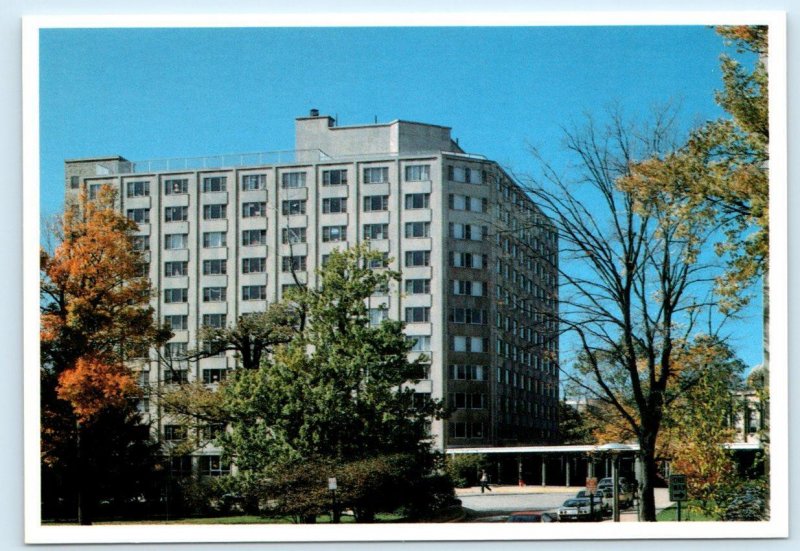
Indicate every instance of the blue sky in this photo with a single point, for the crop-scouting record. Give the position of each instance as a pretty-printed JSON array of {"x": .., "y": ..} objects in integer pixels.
[{"x": 156, "y": 93}]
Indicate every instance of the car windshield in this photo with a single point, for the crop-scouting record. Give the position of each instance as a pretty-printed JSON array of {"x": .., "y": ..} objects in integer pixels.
[{"x": 575, "y": 502}]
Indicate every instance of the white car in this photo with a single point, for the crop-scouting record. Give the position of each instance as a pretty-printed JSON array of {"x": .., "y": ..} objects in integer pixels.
[{"x": 578, "y": 509}]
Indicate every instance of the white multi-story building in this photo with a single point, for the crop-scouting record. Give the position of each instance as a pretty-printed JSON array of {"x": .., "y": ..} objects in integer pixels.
[{"x": 226, "y": 235}]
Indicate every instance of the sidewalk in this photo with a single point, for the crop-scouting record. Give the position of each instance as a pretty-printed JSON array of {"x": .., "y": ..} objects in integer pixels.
[{"x": 628, "y": 515}]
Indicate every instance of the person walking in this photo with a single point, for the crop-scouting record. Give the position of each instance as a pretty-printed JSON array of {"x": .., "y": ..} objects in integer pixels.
[{"x": 485, "y": 481}]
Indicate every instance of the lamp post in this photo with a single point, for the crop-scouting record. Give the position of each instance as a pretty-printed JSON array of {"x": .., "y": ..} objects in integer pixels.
[{"x": 614, "y": 449}]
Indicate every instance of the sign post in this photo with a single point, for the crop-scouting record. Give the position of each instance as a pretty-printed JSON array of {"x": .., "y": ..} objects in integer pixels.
[
  {"x": 678, "y": 491},
  {"x": 591, "y": 489},
  {"x": 332, "y": 487}
]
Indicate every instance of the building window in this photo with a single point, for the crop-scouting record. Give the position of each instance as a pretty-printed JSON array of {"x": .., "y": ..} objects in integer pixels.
[
  {"x": 293, "y": 235},
  {"x": 176, "y": 214},
  {"x": 216, "y": 266},
  {"x": 212, "y": 465},
  {"x": 293, "y": 206},
  {"x": 464, "y": 175},
  {"x": 468, "y": 288},
  {"x": 468, "y": 231},
  {"x": 464, "y": 202},
  {"x": 177, "y": 322},
  {"x": 334, "y": 205},
  {"x": 252, "y": 182},
  {"x": 291, "y": 180},
  {"x": 469, "y": 344},
  {"x": 381, "y": 261},
  {"x": 140, "y": 216},
  {"x": 214, "y": 212},
  {"x": 140, "y": 242},
  {"x": 419, "y": 343},
  {"x": 334, "y": 177},
  {"x": 94, "y": 189},
  {"x": 334, "y": 233},
  {"x": 418, "y": 286},
  {"x": 376, "y": 175},
  {"x": 254, "y": 292},
  {"x": 373, "y": 203},
  {"x": 211, "y": 376},
  {"x": 176, "y": 376},
  {"x": 468, "y": 260},
  {"x": 175, "y": 295},
  {"x": 418, "y": 200},
  {"x": 254, "y": 237},
  {"x": 293, "y": 264},
  {"x": 174, "y": 433},
  {"x": 214, "y": 183},
  {"x": 254, "y": 209},
  {"x": 74, "y": 182},
  {"x": 377, "y": 316},
  {"x": 418, "y": 258},
  {"x": 466, "y": 430},
  {"x": 468, "y": 400},
  {"x": 138, "y": 189},
  {"x": 467, "y": 372},
  {"x": 418, "y": 173},
  {"x": 473, "y": 316},
  {"x": 178, "y": 186},
  {"x": 176, "y": 241},
  {"x": 418, "y": 229},
  {"x": 175, "y": 349},
  {"x": 254, "y": 265},
  {"x": 374, "y": 232},
  {"x": 214, "y": 239},
  {"x": 418, "y": 314},
  {"x": 214, "y": 294},
  {"x": 217, "y": 321},
  {"x": 176, "y": 268}
]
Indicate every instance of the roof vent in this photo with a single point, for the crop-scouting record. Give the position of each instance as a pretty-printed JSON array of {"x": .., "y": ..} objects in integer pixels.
[{"x": 314, "y": 113}]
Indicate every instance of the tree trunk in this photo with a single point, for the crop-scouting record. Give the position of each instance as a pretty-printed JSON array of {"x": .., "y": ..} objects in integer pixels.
[{"x": 649, "y": 475}]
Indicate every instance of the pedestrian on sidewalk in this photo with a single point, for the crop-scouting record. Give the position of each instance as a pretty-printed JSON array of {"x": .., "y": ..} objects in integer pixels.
[{"x": 485, "y": 481}]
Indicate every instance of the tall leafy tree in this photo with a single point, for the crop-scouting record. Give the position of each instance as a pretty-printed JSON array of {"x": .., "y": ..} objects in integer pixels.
[
  {"x": 337, "y": 394},
  {"x": 95, "y": 315}
]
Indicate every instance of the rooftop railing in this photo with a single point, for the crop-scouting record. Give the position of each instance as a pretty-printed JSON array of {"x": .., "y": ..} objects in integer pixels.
[{"x": 233, "y": 160}]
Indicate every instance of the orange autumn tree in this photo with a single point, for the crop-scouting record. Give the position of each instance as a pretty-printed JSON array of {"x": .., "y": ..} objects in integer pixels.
[
  {"x": 95, "y": 306},
  {"x": 95, "y": 315}
]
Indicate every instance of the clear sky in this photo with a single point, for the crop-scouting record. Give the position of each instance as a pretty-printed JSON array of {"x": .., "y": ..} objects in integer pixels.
[{"x": 158, "y": 93}]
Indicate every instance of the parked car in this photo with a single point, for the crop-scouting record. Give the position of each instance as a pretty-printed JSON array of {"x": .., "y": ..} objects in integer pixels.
[
  {"x": 606, "y": 485},
  {"x": 527, "y": 516},
  {"x": 578, "y": 509},
  {"x": 601, "y": 502}
]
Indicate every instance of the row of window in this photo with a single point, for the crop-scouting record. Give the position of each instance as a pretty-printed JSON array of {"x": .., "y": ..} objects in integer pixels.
[
  {"x": 469, "y": 400},
  {"x": 216, "y": 294},
  {"x": 250, "y": 182}
]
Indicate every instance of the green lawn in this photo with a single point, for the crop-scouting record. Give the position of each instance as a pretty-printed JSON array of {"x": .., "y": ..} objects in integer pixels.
[
  {"x": 251, "y": 519},
  {"x": 670, "y": 514}
]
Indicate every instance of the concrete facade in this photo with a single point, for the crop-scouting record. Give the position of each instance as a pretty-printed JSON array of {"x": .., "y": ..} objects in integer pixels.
[{"x": 478, "y": 260}]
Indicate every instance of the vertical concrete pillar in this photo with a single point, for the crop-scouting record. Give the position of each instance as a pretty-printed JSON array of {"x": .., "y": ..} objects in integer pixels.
[
  {"x": 568, "y": 473},
  {"x": 590, "y": 467},
  {"x": 637, "y": 472},
  {"x": 544, "y": 470}
]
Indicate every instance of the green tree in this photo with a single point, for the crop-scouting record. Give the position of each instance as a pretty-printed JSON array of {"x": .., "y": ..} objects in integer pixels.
[{"x": 338, "y": 393}]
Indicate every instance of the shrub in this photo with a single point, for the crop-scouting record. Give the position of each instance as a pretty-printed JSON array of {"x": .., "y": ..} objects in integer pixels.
[{"x": 463, "y": 469}]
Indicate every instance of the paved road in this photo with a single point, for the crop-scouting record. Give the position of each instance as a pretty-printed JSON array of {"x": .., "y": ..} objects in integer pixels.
[{"x": 508, "y": 502}]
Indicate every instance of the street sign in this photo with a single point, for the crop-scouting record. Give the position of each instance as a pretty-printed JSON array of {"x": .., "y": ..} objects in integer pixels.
[
  {"x": 677, "y": 488},
  {"x": 591, "y": 485},
  {"x": 331, "y": 483}
]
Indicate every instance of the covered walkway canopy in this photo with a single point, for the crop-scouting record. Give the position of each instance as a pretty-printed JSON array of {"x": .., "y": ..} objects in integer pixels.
[{"x": 565, "y": 465}]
